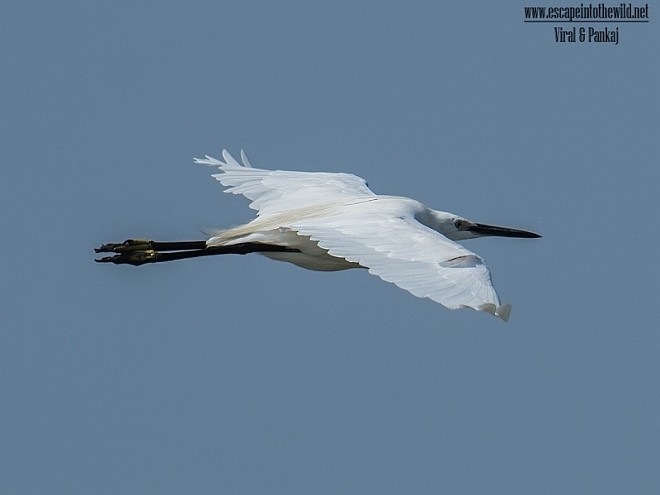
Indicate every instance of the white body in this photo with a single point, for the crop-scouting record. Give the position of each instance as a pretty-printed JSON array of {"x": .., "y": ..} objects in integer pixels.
[{"x": 337, "y": 222}]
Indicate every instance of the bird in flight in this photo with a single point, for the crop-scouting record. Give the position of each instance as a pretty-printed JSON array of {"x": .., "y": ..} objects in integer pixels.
[{"x": 333, "y": 221}]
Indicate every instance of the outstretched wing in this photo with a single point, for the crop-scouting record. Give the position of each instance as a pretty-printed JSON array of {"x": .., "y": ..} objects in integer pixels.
[
  {"x": 400, "y": 250},
  {"x": 278, "y": 191}
]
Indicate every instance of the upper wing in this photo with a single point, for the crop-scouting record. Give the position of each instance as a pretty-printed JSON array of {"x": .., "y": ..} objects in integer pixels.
[
  {"x": 277, "y": 191},
  {"x": 400, "y": 250}
]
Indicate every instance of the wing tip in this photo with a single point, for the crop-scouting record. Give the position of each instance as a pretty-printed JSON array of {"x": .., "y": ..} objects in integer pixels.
[
  {"x": 208, "y": 160},
  {"x": 229, "y": 161},
  {"x": 245, "y": 160},
  {"x": 503, "y": 311}
]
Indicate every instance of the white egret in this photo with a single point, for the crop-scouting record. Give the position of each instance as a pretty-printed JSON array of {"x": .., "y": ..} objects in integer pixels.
[{"x": 333, "y": 221}]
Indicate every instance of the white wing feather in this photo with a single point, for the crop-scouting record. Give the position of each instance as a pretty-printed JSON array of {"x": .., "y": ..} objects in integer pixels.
[
  {"x": 277, "y": 191},
  {"x": 410, "y": 255}
]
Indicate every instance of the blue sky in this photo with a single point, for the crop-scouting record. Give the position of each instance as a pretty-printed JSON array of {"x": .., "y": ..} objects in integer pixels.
[{"x": 242, "y": 375}]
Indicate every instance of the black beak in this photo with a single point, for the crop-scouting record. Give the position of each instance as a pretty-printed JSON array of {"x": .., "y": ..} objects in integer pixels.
[{"x": 482, "y": 229}]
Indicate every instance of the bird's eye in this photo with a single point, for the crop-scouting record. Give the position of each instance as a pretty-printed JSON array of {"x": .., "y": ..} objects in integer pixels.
[{"x": 458, "y": 224}]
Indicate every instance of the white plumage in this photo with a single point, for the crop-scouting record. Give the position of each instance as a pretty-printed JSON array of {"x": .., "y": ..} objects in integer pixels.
[{"x": 336, "y": 222}]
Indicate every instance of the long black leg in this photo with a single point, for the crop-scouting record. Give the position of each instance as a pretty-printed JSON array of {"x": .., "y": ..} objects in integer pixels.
[
  {"x": 144, "y": 244},
  {"x": 139, "y": 252}
]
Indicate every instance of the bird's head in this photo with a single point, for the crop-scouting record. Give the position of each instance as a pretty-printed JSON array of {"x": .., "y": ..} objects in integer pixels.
[{"x": 459, "y": 229}]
